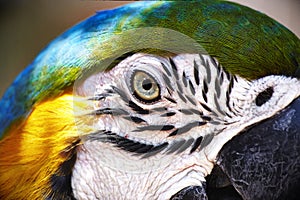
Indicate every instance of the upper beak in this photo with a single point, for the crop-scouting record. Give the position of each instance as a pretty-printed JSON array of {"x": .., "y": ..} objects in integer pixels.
[{"x": 263, "y": 162}]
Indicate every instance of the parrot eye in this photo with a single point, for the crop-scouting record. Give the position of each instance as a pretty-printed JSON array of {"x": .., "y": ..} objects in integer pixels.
[{"x": 145, "y": 88}]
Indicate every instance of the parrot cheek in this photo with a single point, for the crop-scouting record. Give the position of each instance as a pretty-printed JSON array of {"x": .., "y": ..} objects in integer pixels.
[{"x": 101, "y": 171}]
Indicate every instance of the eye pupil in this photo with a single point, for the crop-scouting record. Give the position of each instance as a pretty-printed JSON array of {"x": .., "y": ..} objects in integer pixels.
[
  {"x": 145, "y": 87},
  {"x": 147, "y": 84}
]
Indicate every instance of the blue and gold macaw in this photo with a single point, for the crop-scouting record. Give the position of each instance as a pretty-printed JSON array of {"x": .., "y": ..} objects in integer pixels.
[{"x": 157, "y": 100}]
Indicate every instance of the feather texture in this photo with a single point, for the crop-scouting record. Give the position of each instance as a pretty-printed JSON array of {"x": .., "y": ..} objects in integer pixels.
[
  {"x": 35, "y": 151},
  {"x": 245, "y": 42},
  {"x": 37, "y": 124}
]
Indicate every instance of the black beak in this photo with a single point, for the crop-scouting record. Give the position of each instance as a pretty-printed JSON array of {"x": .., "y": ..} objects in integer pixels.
[{"x": 263, "y": 162}]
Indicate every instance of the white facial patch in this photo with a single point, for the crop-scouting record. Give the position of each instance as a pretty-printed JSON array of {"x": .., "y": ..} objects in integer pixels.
[{"x": 151, "y": 147}]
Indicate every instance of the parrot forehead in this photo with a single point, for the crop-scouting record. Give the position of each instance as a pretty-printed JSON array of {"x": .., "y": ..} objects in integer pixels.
[{"x": 246, "y": 42}]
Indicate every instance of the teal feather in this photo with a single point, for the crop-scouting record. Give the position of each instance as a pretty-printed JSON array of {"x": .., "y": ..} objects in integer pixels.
[{"x": 245, "y": 41}]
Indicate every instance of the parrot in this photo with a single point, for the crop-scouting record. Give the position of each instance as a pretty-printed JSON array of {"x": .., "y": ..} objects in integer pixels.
[{"x": 157, "y": 100}]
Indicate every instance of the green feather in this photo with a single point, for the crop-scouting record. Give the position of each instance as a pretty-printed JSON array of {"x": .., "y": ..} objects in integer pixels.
[{"x": 246, "y": 42}]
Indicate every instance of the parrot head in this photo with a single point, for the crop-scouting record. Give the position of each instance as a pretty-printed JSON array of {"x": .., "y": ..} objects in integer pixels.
[{"x": 148, "y": 100}]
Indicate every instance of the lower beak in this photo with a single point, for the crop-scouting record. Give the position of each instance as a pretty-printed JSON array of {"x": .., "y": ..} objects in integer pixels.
[{"x": 263, "y": 162}]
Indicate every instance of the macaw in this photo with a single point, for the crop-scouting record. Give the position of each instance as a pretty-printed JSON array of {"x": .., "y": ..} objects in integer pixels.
[{"x": 157, "y": 100}]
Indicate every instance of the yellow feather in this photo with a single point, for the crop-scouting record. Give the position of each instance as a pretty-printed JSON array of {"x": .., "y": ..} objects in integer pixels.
[{"x": 34, "y": 150}]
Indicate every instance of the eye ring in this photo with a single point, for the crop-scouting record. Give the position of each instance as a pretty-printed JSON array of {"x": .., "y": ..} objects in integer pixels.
[{"x": 145, "y": 87}]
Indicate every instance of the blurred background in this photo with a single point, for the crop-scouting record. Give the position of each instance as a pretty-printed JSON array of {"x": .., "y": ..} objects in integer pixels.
[{"x": 27, "y": 26}]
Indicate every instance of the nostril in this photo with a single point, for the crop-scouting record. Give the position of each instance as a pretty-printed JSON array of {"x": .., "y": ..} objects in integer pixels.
[{"x": 264, "y": 96}]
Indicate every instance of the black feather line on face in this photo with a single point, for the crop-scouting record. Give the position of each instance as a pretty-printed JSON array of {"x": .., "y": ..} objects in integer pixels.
[
  {"x": 191, "y": 100},
  {"x": 186, "y": 111},
  {"x": 205, "y": 87},
  {"x": 184, "y": 79},
  {"x": 166, "y": 69},
  {"x": 171, "y": 100},
  {"x": 132, "y": 146},
  {"x": 121, "y": 93},
  {"x": 197, "y": 112},
  {"x": 155, "y": 128},
  {"x": 142, "y": 149},
  {"x": 208, "y": 72},
  {"x": 180, "y": 90},
  {"x": 155, "y": 150},
  {"x": 186, "y": 145},
  {"x": 218, "y": 88},
  {"x": 196, "y": 144},
  {"x": 187, "y": 128},
  {"x": 205, "y": 107},
  {"x": 196, "y": 73},
  {"x": 110, "y": 111},
  {"x": 175, "y": 146},
  {"x": 174, "y": 69},
  {"x": 168, "y": 82},
  {"x": 204, "y": 96},
  {"x": 192, "y": 89},
  {"x": 99, "y": 97},
  {"x": 137, "y": 108},
  {"x": 136, "y": 120},
  {"x": 168, "y": 114},
  {"x": 221, "y": 78},
  {"x": 60, "y": 182},
  {"x": 181, "y": 97}
]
